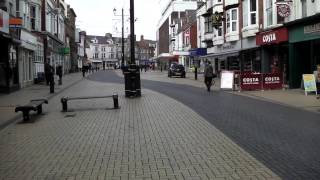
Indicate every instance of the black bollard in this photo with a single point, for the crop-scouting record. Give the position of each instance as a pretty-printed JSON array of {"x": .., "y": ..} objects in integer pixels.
[
  {"x": 115, "y": 101},
  {"x": 195, "y": 73},
  {"x": 51, "y": 86}
]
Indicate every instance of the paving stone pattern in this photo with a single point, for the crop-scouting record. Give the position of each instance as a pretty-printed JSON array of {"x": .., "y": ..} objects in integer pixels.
[{"x": 153, "y": 137}]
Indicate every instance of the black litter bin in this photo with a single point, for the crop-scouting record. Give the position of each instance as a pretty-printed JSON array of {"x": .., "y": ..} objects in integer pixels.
[{"x": 132, "y": 81}]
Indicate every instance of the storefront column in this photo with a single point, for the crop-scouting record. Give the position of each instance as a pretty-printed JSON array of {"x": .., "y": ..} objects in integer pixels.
[
  {"x": 294, "y": 79},
  {"x": 265, "y": 61}
]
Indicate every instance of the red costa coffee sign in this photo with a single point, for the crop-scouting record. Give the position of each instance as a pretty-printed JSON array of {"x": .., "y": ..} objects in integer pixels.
[
  {"x": 272, "y": 37},
  {"x": 272, "y": 81}
]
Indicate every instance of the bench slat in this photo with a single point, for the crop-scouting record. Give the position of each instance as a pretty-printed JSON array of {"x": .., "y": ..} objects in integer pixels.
[{"x": 87, "y": 97}]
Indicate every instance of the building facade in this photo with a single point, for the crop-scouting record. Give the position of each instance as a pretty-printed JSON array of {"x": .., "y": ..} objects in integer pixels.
[
  {"x": 102, "y": 51},
  {"x": 168, "y": 27},
  {"x": 32, "y": 33}
]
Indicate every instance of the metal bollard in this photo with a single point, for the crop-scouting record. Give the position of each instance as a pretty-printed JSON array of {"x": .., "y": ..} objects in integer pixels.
[
  {"x": 51, "y": 86},
  {"x": 195, "y": 73},
  {"x": 64, "y": 102},
  {"x": 115, "y": 101}
]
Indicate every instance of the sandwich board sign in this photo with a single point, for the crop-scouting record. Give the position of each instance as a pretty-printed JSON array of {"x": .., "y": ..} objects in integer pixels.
[
  {"x": 227, "y": 78},
  {"x": 309, "y": 83}
]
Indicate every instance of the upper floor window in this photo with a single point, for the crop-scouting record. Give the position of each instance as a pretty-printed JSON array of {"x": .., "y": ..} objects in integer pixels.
[
  {"x": 272, "y": 17},
  {"x": 33, "y": 17},
  {"x": 304, "y": 8},
  {"x": 250, "y": 15},
  {"x": 96, "y": 48},
  {"x": 208, "y": 24},
  {"x": 232, "y": 20},
  {"x": 269, "y": 11}
]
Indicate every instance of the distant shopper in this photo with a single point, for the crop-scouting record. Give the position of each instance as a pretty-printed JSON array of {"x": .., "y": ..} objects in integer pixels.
[
  {"x": 59, "y": 74},
  {"x": 47, "y": 73},
  {"x": 208, "y": 75}
]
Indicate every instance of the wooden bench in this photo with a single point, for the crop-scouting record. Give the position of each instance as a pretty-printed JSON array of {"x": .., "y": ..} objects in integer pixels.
[
  {"x": 64, "y": 100},
  {"x": 34, "y": 105}
]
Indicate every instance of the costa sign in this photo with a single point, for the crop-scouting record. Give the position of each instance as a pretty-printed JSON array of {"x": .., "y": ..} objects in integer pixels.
[
  {"x": 269, "y": 38},
  {"x": 272, "y": 37},
  {"x": 283, "y": 10}
]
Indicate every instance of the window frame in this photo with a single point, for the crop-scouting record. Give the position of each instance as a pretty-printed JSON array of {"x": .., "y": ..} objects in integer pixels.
[{"x": 230, "y": 20}]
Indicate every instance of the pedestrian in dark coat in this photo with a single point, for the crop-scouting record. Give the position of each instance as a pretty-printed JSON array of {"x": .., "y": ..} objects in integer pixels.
[
  {"x": 208, "y": 75},
  {"x": 59, "y": 74}
]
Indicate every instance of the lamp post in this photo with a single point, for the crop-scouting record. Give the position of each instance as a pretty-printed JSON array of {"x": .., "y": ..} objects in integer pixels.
[
  {"x": 122, "y": 35},
  {"x": 132, "y": 40}
]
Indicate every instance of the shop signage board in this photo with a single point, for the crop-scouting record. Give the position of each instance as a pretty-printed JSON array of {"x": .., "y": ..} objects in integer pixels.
[
  {"x": 227, "y": 78},
  {"x": 304, "y": 32},
  {"x": 272, "y": 81},
  {"x": 4, "y": 22},
  {"x": 309, "y": 83},
  {"x": 15, "y": 23},
  {"x": 272, "y": 37},
  {"x": 250, "y": 81}
]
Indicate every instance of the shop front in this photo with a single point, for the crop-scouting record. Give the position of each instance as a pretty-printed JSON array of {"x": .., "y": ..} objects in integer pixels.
[
  {"x": 250, "y": 56},
  {"x": 225, "y": 57},
  {"x": 304, "y": 48},
  {"x": 195, "y": 59},
  {"x": 274, "y": 51},
  {"x": 9, "y": 80},
  {"x": 26, "y": 58},
  {"x": 52, "y": 51}
]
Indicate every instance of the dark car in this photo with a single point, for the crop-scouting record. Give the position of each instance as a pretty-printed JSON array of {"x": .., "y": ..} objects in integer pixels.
[{"x": 177, "y": 70}]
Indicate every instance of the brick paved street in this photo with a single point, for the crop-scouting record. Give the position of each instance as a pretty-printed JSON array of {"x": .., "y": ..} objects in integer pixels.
[
  {"x": 284, "y": 138},
  {"x": 23, "y": 96},
  {"x": 153, "y": 137}
]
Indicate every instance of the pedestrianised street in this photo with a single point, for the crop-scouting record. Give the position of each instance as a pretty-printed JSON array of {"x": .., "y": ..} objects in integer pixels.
[{"x": 165, "y": 134}]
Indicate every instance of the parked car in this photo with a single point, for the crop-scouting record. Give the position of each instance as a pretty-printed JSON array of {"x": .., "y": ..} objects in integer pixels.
[{"x": 177, "y": 70}]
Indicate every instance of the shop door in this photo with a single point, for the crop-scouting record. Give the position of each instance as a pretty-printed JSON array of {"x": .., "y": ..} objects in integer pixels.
[
  {"x": 3, "y": 63},
  {"x": 304, "y": 57}
]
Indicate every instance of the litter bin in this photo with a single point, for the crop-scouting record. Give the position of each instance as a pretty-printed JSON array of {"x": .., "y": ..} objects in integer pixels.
[{"x": 132, "y": 81}]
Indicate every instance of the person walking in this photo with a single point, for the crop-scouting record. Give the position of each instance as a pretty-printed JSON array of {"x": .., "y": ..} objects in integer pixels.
[
  {"x": 208, "y": 75},
  {"x": 59, "y": 74}
]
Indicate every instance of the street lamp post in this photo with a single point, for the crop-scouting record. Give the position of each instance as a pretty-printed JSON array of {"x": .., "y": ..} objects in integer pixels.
[
  {"x": 132, "y": 40},
  {"x": 122, "y": 35}
]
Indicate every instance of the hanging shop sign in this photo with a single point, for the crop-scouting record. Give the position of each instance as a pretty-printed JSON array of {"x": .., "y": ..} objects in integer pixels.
[
  {"x": 283, "y": 10},
  {"x": 272, "y": 37},
  {"x": 272, "y": 81},
  {"x": 227, "y": 78},
  {"x": 15, "y": 23},
  {"x": 4, "y": 22},
  {"x": 309, "y": 83},
  {"x": 217, "y": 19}
]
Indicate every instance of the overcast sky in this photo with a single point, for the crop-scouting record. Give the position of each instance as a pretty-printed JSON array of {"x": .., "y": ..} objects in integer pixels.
[{"x": 96, "y": 16}]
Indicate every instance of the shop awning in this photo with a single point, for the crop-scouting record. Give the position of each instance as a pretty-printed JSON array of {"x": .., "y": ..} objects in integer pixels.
[
  {"x": 223, "y": 55},
  {"x": 95, "y": 61}
]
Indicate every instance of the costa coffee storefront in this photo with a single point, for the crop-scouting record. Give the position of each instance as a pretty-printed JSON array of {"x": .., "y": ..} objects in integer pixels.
[{"x": 274, "y": 51}]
